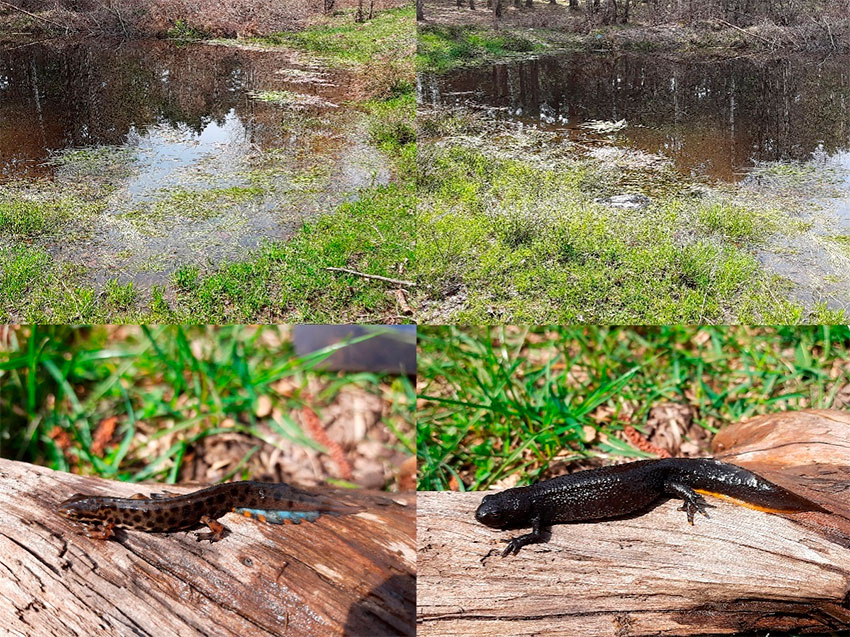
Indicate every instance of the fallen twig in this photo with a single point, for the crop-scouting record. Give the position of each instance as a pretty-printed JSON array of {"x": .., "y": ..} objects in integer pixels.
[
  {"x": 372, "y": 276},
  {"x": 37, "y": 17},
  {"x": 745, "y": 32}
]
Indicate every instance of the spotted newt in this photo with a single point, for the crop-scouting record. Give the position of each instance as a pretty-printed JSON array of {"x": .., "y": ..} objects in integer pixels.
[
  {"x": 272, "y": 502},
  {"x": 625, "y": 489}
]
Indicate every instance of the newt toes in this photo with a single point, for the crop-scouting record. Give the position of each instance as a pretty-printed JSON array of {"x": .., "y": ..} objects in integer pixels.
[
  {"x": 611, "y": 492},
  {"x": 270, "y": 502}
]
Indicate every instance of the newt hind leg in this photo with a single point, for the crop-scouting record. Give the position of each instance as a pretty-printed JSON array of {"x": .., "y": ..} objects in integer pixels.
[
  {"x": 217, "y": 529},
  {"x": 693, "y": 502},
  {"x": 100, "y": 530}
]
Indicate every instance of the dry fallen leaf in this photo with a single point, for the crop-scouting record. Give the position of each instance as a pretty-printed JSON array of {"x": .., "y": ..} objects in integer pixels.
[
  {"x": 103, "y": 434},
  {"x": 264, "y": 406}
]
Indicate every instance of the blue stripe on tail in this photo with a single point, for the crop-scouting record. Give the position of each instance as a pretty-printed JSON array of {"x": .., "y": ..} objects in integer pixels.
[{"x": 280, "y": 517}]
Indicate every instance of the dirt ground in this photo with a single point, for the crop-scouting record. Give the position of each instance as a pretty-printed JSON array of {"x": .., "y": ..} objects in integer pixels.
[{"x": 542, "y": 14}]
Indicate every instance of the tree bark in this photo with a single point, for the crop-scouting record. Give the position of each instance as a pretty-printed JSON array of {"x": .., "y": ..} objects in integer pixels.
[
  {"x": 420, "y": 9},
  {"x": 352, "y": 575},
  {"x": 740, "y": 570}
]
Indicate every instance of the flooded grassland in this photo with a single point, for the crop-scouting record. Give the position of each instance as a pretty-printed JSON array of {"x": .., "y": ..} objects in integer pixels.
[
  {"x": 636, "y": 188},
  {"x": 204, "y": 181}
]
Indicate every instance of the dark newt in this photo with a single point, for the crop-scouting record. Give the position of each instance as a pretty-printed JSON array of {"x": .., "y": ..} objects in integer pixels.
[
  {"x": 619, "y": 490},
  {"x": 272, "y": 502}
]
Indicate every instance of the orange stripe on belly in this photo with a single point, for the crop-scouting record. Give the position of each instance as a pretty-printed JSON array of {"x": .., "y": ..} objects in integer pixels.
[{"x": 744, "y": 503}]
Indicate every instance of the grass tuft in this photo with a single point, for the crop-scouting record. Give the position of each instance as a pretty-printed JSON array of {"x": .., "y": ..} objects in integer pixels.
[{"x": 525, "y": 400}]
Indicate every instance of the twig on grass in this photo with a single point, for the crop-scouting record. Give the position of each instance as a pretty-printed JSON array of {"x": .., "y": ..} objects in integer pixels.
[{"x": 372, "y": 276}]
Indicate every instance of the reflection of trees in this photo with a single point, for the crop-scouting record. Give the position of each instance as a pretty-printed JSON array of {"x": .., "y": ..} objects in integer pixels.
[
  {"x": 774, "y": 109},
  {"x": 78, "y": 95}
]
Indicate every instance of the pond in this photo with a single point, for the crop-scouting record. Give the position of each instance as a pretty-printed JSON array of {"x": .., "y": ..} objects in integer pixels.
[
  {"x": 778, "y": 125},
  {"x": 712, "y": 116},
  {"x": 194, "y": 153}
]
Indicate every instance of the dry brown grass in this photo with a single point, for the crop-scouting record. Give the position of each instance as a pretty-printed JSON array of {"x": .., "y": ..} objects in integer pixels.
[{"x": 155, "y": 17}]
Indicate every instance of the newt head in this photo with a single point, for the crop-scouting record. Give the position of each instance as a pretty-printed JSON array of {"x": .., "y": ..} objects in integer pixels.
[
  {"x": 504, "y": 510},
  {"x": 80, "y": 507}
]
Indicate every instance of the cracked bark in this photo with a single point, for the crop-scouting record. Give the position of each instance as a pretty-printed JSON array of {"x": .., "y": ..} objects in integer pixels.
[
  {"x": 352, "y": 575},
  {"x": 653, "y": 574}
]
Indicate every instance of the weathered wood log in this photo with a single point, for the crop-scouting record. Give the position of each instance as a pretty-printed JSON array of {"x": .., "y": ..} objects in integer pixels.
[
  {"x": 351, "y": 575},
  {"x": 653, "y": 574}
]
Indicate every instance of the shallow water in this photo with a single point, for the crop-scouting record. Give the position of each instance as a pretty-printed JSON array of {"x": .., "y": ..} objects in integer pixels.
[
  {"x": 711, "y": 116},
  {"x": 59, "y": 96},
  {"x": 169, "y": 124}
]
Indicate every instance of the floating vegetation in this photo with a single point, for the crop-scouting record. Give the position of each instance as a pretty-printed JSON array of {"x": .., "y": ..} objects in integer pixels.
[
  {"x": 604, "y": 127},
  {"x": 302, "y": 76},
  {"x": 290, "y": 99}
]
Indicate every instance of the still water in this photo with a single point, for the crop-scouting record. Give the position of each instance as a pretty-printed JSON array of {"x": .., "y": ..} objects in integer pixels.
[{"x": 711, "y": 116}]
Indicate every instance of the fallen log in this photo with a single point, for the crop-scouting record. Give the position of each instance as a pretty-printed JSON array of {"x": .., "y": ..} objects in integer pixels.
[
  {"x": 351, "y": 575},
  {"x": 653, "y": 574}
]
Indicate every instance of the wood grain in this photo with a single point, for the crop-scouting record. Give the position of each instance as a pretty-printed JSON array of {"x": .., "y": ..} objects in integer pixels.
[
  {"x": 741, "y": 570},
  {"x": 352, "y": 575}
]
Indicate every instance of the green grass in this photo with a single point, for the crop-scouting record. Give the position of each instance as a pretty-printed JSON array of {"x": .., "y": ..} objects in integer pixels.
[
  {"x": 442, "y": 48},
  {"x": 509, "y": 400},
  {"x": 283, "y": 281},
  {"x": 182, "y": 30},
  {"x": 28, "y": 218},
  {"x": 391, "y": 122},
  {"x": 287, "y": 281},
  {"x": 524, "y": 241},
  {"x": 173, "y": 390},
  {"x": 195, "y": 204},
  {"x": 339, "y": 39}
]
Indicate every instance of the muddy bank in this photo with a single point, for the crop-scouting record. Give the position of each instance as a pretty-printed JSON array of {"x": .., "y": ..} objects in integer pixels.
[{"x": 166, "y": 18}]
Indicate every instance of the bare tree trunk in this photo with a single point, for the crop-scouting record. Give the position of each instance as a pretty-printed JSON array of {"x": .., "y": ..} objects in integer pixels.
[
  {"x": 497, "y": 8},
  {"x": 420, "y": 9},
  {"x": 329, "y": 6}
]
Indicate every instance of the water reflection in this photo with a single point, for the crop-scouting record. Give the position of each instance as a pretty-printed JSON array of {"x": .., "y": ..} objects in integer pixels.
[
  {"x": 712, "y": 116},
  {"x": 54, "y": 97}
]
